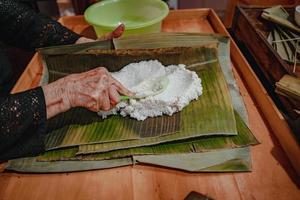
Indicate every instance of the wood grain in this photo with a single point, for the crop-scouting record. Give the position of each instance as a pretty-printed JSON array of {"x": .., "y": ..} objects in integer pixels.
[{"x": 272, "y": 178}]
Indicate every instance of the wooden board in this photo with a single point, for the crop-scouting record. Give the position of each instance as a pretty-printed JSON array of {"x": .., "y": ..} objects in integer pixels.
[{"x": 272, "y": 178}]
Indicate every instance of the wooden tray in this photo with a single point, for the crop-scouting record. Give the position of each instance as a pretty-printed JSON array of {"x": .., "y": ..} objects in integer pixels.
[
  {"x": 273, "y": 176},
  {"x": 251, "y": 30}
]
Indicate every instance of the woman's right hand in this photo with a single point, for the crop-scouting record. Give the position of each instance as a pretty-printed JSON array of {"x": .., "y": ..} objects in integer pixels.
[{"x": 95, "y": 90}]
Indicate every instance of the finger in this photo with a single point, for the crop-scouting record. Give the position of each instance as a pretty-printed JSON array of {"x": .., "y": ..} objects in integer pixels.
[
  {"x": 118, "y": 31},
  {"x": 95, "y": 105},
  {"x": 94, "y": 74},
  {"x": 93, "y": 108},
  {"x": 95, "y": 71},
  {"x": 113, "y": 95},
  {"x": 114, "y": 34},
  {"x": 105, "y": 101},
  {"x": 120, "y": 88},
  {"x": 100, "y": 93},
  {"x": 98, "y": 85},
  {"x": 87, "y": 102}
]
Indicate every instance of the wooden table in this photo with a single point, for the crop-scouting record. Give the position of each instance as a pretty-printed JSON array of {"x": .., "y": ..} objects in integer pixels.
[{"x": 273, "y": 175}]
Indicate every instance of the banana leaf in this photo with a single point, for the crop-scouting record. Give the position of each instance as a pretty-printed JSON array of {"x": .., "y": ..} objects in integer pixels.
[
  {"x": 195, "y": 145},
  {"x": 220, "y": 161},
  {"x": 211, "y": 114},
  {"x": 285, "y": 43},
  {"x": 280, "y": 16},
  {"x": 30, "y": 165},
  {"x": 167, "y": 40},
  {"x": 183, "y": 39},
  {"x": 289, "y": 86},
  {"x": 229, "y": 160},
  {"x": 160, "y": 40},
  {"x": 242, "y": 163},
  {"x": 210, "y": 86},
  {"x": 77, "y": 48}
]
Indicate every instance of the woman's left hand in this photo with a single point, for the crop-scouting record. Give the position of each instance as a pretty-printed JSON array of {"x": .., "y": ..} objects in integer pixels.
[{"x": 108, "y": 36}]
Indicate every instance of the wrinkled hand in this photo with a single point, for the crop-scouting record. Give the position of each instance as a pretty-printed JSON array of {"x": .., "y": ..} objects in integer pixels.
[
  {"x": 95, "y": 90},
  {"x": 108, "y": 36}
]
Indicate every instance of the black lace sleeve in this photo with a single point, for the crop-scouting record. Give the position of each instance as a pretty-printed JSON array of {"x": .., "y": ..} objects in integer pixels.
[
  {"x": 22, "y": 124},
  {"x": 22, "y": 27}
]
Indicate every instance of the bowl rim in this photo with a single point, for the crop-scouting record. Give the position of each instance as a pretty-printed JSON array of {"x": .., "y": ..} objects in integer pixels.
[{"x": 148, "y": 23}]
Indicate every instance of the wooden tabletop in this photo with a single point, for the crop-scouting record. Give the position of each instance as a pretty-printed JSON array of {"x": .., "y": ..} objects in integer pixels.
[{"x": 273, "y": 175}]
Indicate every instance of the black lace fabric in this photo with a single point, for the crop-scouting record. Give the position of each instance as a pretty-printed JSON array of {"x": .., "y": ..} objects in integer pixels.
[
  {"x": 23, "y": 27},
  {"x": 23, "y": 115},
  {"x": 22, "y": 124}
]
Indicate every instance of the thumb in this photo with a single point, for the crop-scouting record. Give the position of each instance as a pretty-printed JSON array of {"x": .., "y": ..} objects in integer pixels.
[{"x": 114, "y": 34}]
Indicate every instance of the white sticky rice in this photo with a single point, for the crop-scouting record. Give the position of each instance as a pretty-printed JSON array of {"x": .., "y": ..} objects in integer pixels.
[{"x": 184, "y": 86}]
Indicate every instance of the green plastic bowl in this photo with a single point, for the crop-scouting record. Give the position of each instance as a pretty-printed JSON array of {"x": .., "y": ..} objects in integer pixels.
[{"x": 139, "y": 16}]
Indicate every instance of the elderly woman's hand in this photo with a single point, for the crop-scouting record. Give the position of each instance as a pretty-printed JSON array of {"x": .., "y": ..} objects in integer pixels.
[
  {"x": 108, "y": 36},
  {"x": 95, "y": 90}
]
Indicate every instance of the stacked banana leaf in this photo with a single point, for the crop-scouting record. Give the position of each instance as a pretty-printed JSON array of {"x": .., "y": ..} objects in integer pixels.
[
  {"x": 285, "y": 35},
  {"x": 210, "y": 134},
  {"x": 285, "y": 44},
  {"x": 289, "y": 86},
  {"x": 284, "y": 38}
]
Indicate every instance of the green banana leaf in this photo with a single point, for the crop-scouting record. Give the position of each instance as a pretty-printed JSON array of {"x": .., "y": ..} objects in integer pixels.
[
  {"x": 210, "y": 84},
  {"x": 211, "y": 114},
  {"x": 167, "y": 40},
  {"x": 195, "y": 145},
  {"x": 229, "y": 160},
  {"x": 77, "y": 48},
  {"x": 239, "y": 163},
  {"x": 219, "y": 161},
  {"x": 30, "y": 165},
  {"x": 163, "y": 39},
  {"x": 159, "y": 40}
]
